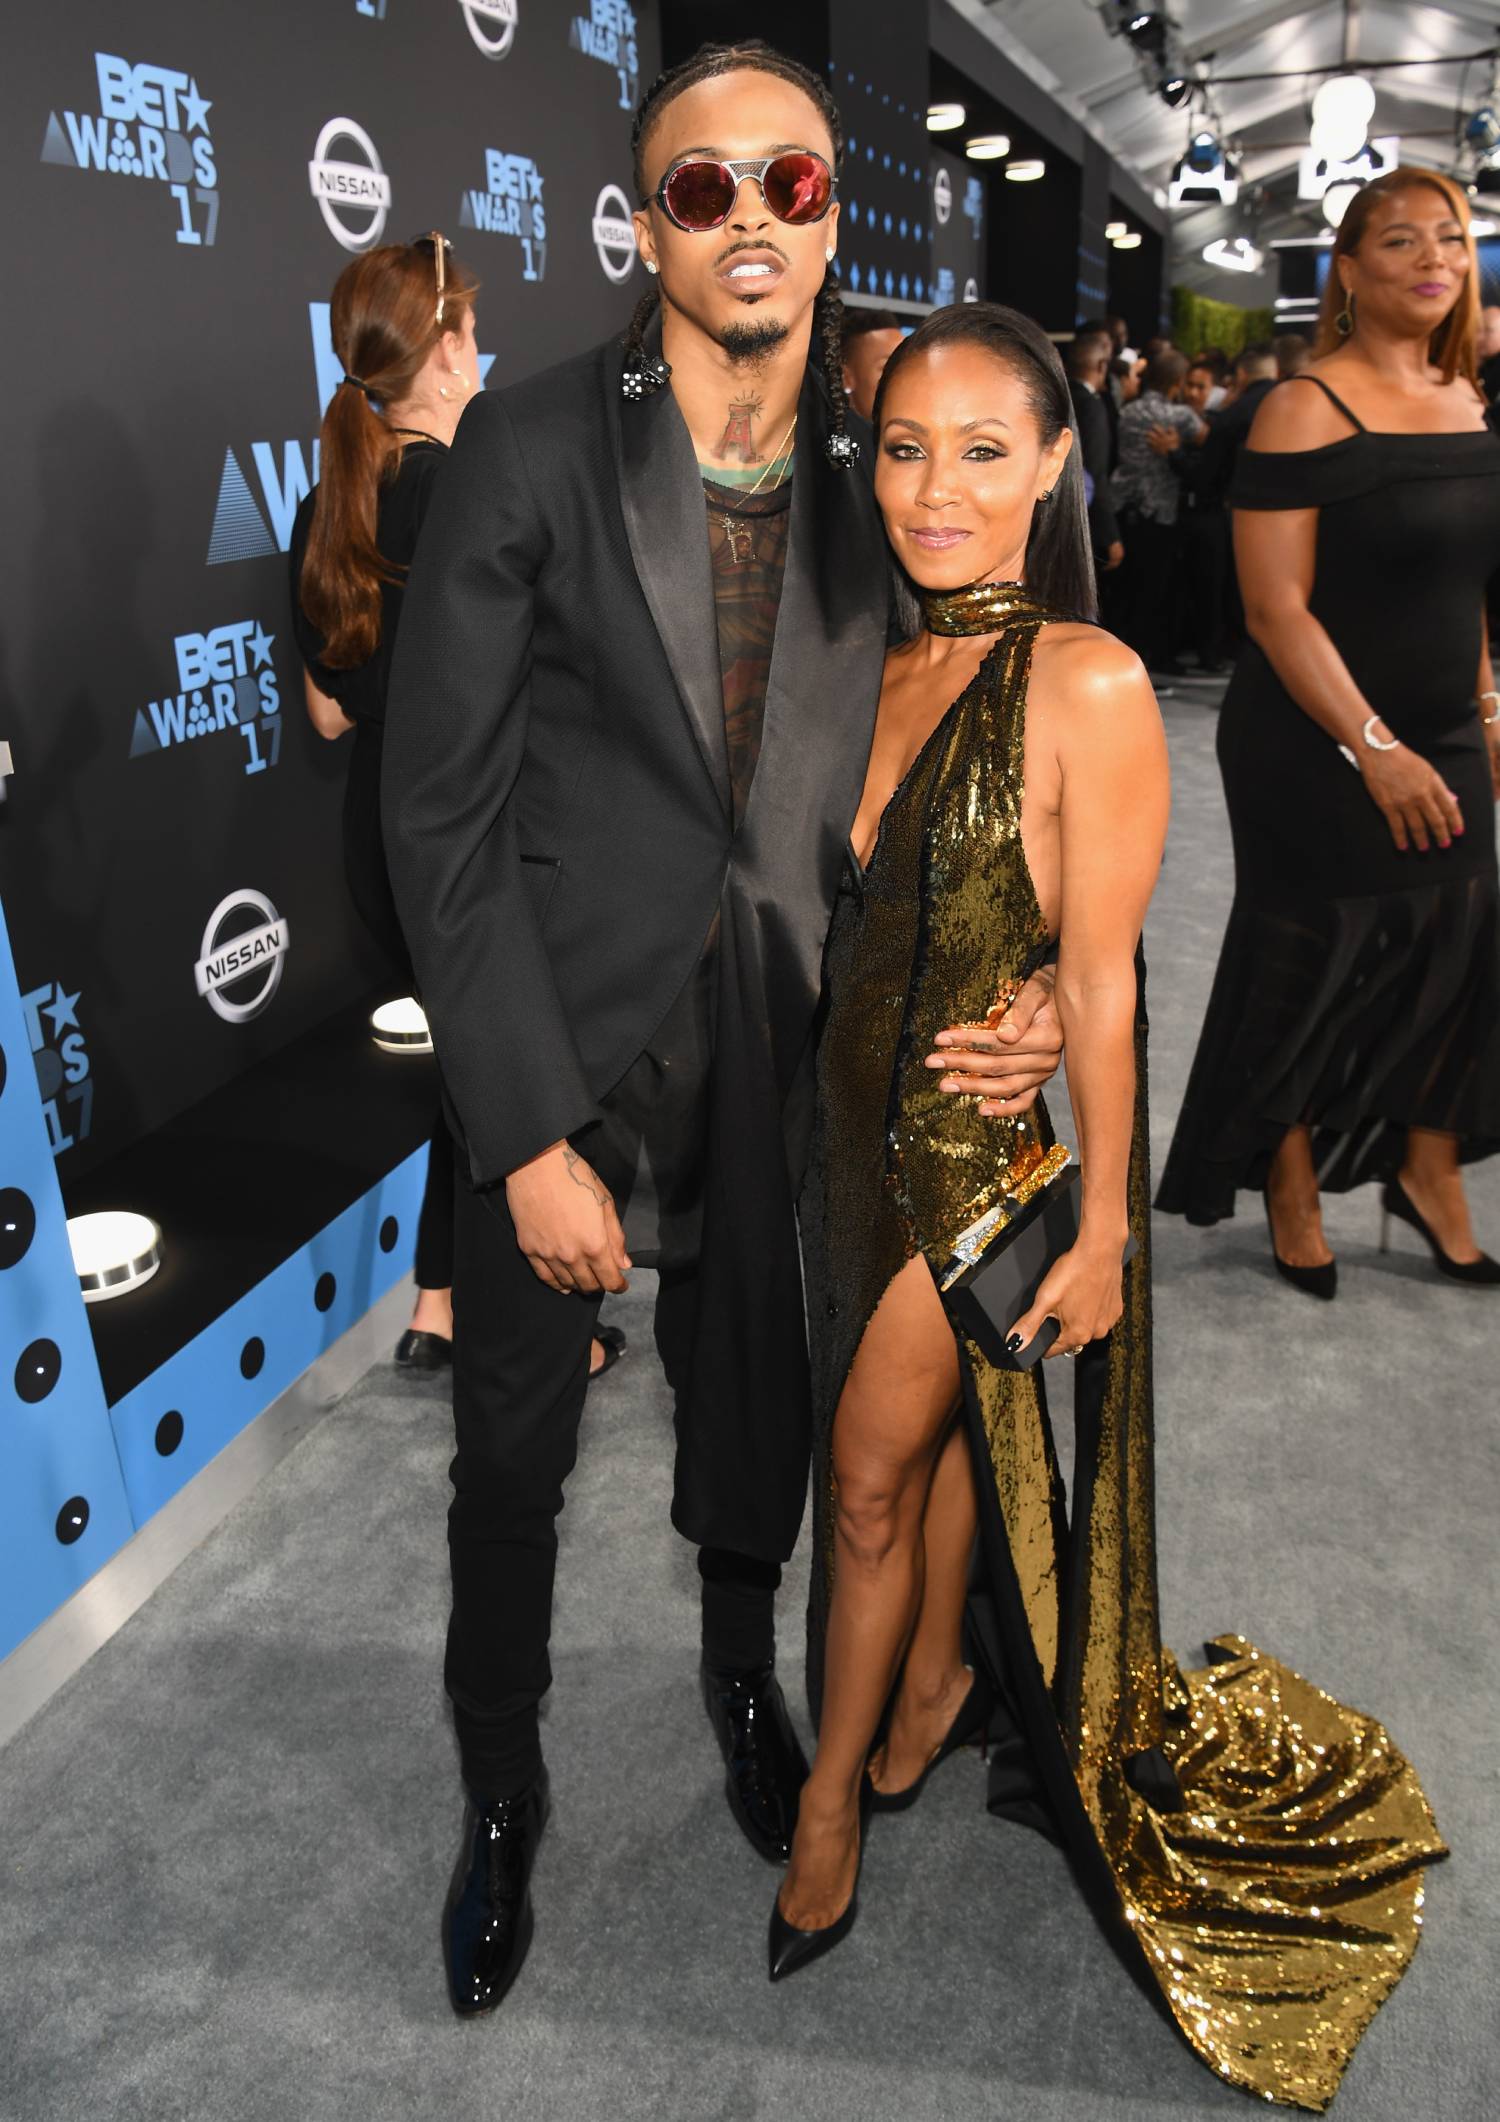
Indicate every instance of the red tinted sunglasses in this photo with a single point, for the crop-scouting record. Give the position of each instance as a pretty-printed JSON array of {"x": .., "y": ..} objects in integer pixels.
[{"x": 798, "y": 187}]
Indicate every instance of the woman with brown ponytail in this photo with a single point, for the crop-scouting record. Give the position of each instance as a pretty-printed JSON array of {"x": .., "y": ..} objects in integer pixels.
[{"x": 403, "y": 326}]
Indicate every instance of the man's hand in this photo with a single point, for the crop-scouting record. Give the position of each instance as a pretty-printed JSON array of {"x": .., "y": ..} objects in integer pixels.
[
  {"x": 1114, "y": 554},
  {"x": 1163, "y": 440},
  {"x": 566, "y": 1223},
  {"x": 1006, "y": 1067}
]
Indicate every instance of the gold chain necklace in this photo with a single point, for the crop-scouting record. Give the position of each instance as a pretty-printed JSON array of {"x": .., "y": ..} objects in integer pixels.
[{"x": 776, "y": 454}]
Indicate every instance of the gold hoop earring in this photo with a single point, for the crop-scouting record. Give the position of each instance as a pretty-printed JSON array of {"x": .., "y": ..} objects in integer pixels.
[{"x": 1343, "y": 323}]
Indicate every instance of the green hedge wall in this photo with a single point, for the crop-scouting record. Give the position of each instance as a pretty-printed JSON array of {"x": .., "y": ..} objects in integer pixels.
[{"x": 1199, "y": 321}]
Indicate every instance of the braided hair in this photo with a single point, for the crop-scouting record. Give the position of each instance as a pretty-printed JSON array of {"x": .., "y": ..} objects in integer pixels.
[{"x": 751, "y": 56}]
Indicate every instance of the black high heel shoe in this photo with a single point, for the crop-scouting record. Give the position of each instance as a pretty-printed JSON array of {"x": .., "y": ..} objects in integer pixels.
[
  {"x": 1312, "y": 1281},
  {"x": 790, "y": 1948},
  {"x": 1483, "y": 1273},
  {"x": 973, "y": 1716}
]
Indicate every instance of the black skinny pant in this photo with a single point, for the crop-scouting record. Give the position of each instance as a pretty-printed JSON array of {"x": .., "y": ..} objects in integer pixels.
[
  {"x": 520, "y": 1376},
  {"x": 434, "y": 1263}
]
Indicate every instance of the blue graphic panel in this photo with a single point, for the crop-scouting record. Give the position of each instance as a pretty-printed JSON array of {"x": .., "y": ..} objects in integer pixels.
[
  {"x": 63, "y": 1511},
  {"x": 176, "y": 1420}
]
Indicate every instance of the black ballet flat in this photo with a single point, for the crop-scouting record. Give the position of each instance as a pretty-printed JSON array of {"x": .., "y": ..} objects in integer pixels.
[
  {"x": 970, "y": 1723},
  {"x": 791, "y": 1949},
  {"x": 419, "y": 1351},
  {"x": 614, "y": 1345},
  {"x": 1312, "y": 1281},
  {"x": 1483, "y": 1273}
]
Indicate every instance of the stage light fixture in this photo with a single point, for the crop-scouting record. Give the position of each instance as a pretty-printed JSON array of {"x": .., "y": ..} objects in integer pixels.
[
  {"x": 945, "y": 117},
  {"x": 1113, "y": 229},
  {"x": 1174, "y": 90},
  {"x": 1337, "y": 198},
  {"x": 1234, "y": 254},
  {"x": 401, "y": 1027},
  {"x": 114, "y": 1250},
  {"x": 1145, "y": 28},
  {"x": 1487, "y": 181},
  {"x": 987, "y": 147},
  {"x": 1482, "y": 129},
  {"x": 1341, "y": 114},
  {"x": 1203, "y": 152},
  {"x": 1130, "y": 241},
  {"x": 1026, "y": 171}
]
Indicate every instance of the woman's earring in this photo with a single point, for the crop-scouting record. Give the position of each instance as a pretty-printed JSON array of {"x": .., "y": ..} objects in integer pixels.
[
  {"x": 1045, "y": 494},
  {"x": 443, "y": 390},
  {"x": 651, "y": 265},
  {"x": 828, "y": 257},
  {"x": 1343, "y": 323}
]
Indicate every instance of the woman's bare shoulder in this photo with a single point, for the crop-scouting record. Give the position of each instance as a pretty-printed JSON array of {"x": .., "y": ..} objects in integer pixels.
[
  {"x": 1075, "y": 664},
  {"x": 1297, "y": 415}
]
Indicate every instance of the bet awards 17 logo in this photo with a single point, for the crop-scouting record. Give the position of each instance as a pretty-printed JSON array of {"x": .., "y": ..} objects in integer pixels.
[
  {"x": 614, "y": 234},
  {"x": 511, "y": 204},
  {"x": 61, "y": 1057},
  {"x": 492, "y": 24},
  {"x": 151, "y": 123},
  {"x": 353, "y": 195},
  {"x": 225, "y": 681},
  {"x": 607, "y": 33},
  {"x": 242, "y": 955}
]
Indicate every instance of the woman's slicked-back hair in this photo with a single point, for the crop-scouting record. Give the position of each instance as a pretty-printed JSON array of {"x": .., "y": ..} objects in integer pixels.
[
  {"x": 1059, "y": 553},
  {"x": 1454, "y": 344},
  {"x": 750, "y": 56}
]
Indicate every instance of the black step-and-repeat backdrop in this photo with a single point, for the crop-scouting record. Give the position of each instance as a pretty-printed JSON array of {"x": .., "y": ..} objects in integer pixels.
[{"x": 184, "y": 184}]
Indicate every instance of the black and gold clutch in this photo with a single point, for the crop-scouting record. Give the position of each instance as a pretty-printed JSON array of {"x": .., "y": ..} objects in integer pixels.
[{"x": 1001, "y": 1261}]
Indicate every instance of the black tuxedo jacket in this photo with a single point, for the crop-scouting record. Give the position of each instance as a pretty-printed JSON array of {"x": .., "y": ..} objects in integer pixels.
[{"x": 556, "y": 790}]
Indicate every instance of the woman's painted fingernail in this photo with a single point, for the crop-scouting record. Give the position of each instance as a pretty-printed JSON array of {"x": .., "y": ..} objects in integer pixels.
[
  {"x": 949, "y": 1083},
  {"x": 1013, "y": 1342}
]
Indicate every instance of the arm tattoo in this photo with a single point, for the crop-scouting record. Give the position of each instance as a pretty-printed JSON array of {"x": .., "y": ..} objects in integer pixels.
[{"x": 584, "y": 1175}]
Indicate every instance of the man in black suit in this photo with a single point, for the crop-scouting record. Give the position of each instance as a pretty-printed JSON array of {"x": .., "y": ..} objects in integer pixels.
[
  {"x": 1210, "y": 470},
  {"x": 1086, "y": 359},
  {"x": 628, "y": 727}
]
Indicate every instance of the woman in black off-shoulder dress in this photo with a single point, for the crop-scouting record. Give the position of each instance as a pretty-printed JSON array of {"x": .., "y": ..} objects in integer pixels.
[{"x": 1353, "y": 1032}]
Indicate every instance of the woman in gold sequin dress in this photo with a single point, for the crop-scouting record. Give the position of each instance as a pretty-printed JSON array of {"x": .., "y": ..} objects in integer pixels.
[{"x": 1256, "y": 1843}]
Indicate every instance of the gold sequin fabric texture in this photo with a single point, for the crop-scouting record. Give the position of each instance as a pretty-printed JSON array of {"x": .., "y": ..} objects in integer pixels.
[{"x": 1280, "y": 1903}]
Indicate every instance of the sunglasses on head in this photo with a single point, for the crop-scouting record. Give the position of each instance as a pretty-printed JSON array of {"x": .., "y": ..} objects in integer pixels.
[
  {"x": 797, "y": 186},
  {"x": 440, "y": 247}
]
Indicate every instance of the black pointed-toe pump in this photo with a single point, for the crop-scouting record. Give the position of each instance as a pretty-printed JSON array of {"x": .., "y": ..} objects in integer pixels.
[
  {"x": 1312, "y": 1281},
  {"x": 789, "y": 1948},
  {"x": 1483, "y": 1273},
  {"x": 970, "y": 1723}
]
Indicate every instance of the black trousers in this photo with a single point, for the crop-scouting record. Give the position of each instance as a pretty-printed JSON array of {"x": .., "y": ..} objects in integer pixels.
[
  {"x": 434, "y": 1263},
  {"x": 520, "y": 1378},
  {"x": 1149, "y": 588}
]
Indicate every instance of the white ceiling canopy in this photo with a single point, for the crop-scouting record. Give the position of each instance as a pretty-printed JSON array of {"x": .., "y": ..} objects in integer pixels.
[{"x": 1106, "y": 82}]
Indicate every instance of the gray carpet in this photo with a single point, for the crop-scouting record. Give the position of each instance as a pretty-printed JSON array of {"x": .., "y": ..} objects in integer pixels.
[{"x": 227, "y": 1840}]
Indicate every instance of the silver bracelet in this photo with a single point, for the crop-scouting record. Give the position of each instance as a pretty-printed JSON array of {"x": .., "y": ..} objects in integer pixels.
[
  {"x": 1495, "y": 717},
  {"x": 1374, "y": 743}
]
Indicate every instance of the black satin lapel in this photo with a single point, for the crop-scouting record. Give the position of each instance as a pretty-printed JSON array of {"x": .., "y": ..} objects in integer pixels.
[
  {"x": 829, "y": 649},
  {"x": 661, "y": 493}
]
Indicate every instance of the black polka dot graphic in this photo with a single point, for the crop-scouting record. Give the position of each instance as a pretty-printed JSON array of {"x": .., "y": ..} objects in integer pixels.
[
  {"x": 252, "y": 1357},
  {"x": 327, "y": 1289},
  {"x": 4, "y": 1070},
  {"x": 38, "y": 1369},
  {"x": 169, "y": 1433},
  {"x": 17, "y": 1224},
  {"x": 72, "y": 1519},
  {"x": 390, "y": 1231}
]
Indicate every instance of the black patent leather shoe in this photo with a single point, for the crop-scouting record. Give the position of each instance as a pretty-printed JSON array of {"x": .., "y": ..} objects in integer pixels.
[
  {"x": 488, "y": 1922},
  {"x": 789, "y": 1948},
  {"x": 419, "y": 1351},
  {"x": 763, "y": 1758}
]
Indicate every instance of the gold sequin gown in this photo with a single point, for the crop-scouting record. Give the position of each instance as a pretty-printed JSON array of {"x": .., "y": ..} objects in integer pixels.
[{"x": 1272, "y": 1881}]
